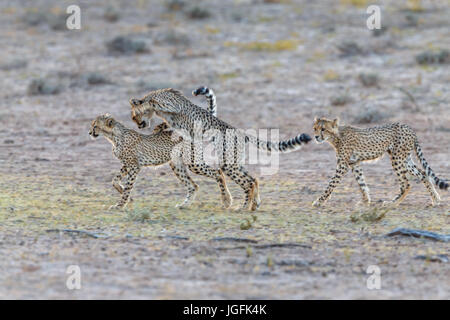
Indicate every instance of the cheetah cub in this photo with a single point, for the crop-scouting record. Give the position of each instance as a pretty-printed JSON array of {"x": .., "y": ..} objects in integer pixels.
[
  {"x": 136, "y": 150},
  {"x": 354, "y": 145}
]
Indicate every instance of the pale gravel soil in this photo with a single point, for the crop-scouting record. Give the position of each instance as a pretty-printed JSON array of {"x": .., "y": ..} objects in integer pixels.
[{"x": 54, "y": 176}]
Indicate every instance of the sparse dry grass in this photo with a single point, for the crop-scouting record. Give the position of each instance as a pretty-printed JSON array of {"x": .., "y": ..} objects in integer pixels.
[
  {"x": 282, "y": 64},
  {"x": 30, "y": 207},
  {"x": 356, "y": 3},
  {"x": 280, "y": 45}
]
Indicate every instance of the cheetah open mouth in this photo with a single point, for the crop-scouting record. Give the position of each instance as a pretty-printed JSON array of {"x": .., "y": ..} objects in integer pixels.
[{"x": 142, "y": 124}]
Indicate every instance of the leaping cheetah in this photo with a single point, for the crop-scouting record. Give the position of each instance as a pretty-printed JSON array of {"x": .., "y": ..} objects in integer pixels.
[{"x": 182, "y": 114}]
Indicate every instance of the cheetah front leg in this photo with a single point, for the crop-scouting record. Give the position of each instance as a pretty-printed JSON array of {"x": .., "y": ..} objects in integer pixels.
[
  {"x": 160, "y": 127},
  {"x": 181, "y": 173},
  {"x": 341, "y": 170},
  {"x": 131, "y": 175},
  {"x": 116, "y": 182},
  {"x": 359, "y": 176}
]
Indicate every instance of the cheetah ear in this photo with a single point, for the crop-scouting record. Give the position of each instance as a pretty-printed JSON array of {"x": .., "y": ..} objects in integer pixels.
[
  {"x": 110, "y": 122},
  {"x": 316, "y": 119},
  {"x": 135, "y": 102},
  {"x": 336, "y": 122}
]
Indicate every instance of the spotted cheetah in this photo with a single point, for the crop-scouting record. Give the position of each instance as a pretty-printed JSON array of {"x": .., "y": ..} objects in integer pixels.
[
  {"x": 181, "y": 114},
  {"x": 354, "y": 145},
  {"x": 136, "y": 150}
]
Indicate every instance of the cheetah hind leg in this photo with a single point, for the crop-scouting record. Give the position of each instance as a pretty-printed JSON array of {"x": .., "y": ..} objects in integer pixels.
[
  {"x": 252, "y": 199},
  {"x": 240, "y": 176},
  {"x": 256, "y": 200},
  {"x": 227, "y": 199},
  {"x": 216, "y": 174},
  {"x": 415, "y": 171}
]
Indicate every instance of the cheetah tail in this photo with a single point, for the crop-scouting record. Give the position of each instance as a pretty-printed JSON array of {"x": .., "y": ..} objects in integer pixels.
[
  {"x": 439, "y": 182},
  {"x": 282, "y": 146},
  {"x": 210, "y": 97}
]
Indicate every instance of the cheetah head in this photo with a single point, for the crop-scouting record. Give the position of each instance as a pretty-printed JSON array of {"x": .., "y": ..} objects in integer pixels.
[
  {"x": 325, "y": 129},
  {"x": 103, "y": 124},
  {"x": 140, "y": 110}
]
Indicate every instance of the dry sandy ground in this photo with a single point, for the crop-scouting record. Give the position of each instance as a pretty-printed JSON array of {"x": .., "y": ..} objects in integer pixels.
[{"x": 272, "y": 65}]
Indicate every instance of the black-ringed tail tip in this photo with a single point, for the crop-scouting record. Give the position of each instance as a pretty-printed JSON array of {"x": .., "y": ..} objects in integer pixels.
[
  {"x": 200, "y": 90},
  {"x": 305, "y": 138},
  {"x": 289, "y": 145},
  {"x": 293, "y": 143},
  {"x": 443, "y": 185}
]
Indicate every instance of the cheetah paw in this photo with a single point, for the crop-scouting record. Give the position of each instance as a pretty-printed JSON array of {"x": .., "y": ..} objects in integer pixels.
[
  {"x": 238, "y": 209},
  {"x": 317, "y": 203},
  {"x": 434, "y": 204},
  {"x": 389, "y": 203},
  {"x": 227, "y": 202},
  {"x": 182, "y": 205},
  {"x": 255, "y": 205},
  {"x": 363, "y": 203},
  {"x": 256, "y": 202},
  {"x": 116, "y": 206}
]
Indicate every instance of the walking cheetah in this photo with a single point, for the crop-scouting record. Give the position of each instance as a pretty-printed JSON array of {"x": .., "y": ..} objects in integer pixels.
[
  {"x": 354, "y": 145},
  {"x": 182, "y": 114},
  {"x": 136, "y": 150}
]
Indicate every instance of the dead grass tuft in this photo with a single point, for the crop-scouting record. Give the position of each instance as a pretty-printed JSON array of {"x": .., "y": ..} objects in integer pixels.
[
  {"x": 370, "y": 114},
  {"x": 375, "y": 214},
  {"x": 42, "y": 87},
  {"x": 428, "y": 57},
  {"x": 111, "y": 14},
  {"x": 198, "y": 13},
  {"x": 341, "y": 100},
  {"x": 369, "y": 79},
  {"x": 126, "y": 45}
]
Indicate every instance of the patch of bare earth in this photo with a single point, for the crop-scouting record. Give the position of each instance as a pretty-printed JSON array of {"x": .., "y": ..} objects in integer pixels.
[{"x": 272, "y": 65}]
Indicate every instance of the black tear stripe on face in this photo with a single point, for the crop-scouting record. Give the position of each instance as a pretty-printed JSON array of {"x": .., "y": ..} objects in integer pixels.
[{"x": 142, "y": 124}]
